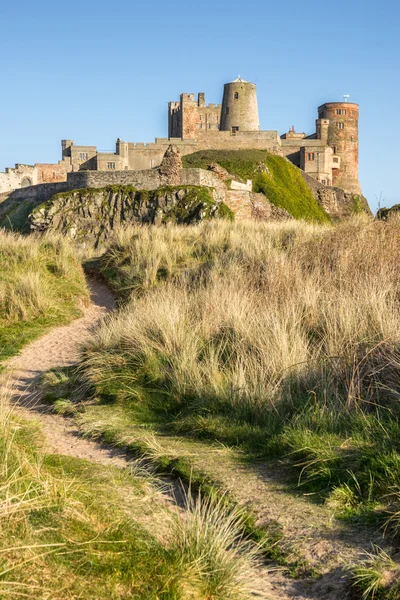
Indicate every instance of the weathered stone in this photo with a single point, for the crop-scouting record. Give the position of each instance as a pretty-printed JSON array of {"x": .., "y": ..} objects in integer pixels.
[
  {"x": 171, "y": 166},
  {"x": 336, "y": 202}
]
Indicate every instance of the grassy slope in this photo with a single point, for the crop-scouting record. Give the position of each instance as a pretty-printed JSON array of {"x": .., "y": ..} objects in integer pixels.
[
  {"x": 214, "y": 352},
  {"x": 282, "y": 185},
  {"x": 73, "y": 529},
  {"x": 14, "y": 214},
  {"x": 41, "y": 285},
  {"x": 281, "y": 339}
]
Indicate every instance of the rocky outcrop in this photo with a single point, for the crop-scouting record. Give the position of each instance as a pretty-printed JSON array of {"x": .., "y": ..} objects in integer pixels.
[
  {"x": 171, "y": 166},
  {"x": 335, "y": 201},
  {"x": 90, "y": 215},
  {"x": 263, "y": 210}
]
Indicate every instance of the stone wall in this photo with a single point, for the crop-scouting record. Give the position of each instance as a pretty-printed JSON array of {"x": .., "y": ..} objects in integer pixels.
[
  {"x": 21, "y": 175},
  {"x": 41, "y": 192},
  {"x": 139, "y": 157},
  {"x": 47, "y": 173},
  {"x": 144, "y": 180}
]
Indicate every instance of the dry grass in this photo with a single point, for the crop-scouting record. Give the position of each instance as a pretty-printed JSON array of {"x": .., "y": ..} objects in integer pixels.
[
  {"x": 282, "y": 337},
  {"x": 215, "y": 556},
  {"x": 41, "y": 284}
]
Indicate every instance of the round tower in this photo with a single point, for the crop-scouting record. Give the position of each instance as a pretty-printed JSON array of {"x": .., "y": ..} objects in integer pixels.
[
  {"x": 239, "y": 107},
  {"x": 343, "y": 138}
]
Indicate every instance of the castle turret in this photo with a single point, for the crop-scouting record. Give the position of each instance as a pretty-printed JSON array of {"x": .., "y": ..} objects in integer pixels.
[
  {"x": 66, "y": 148},
  {"x": 343, "y": 138},
  {"x": 239, "y": 107}
]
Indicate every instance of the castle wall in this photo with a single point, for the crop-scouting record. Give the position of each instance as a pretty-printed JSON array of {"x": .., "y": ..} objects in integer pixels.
[
  {"x": 41, "y": 192},
  {"x": 47, "y": 173},
  {"x": 190, "y": 118},
  {"x": 20, "y": 176},
  {"x": 317, "y": 161},
  {"x": 142, "y": 180},
  {"x": 23, "y": 176}
]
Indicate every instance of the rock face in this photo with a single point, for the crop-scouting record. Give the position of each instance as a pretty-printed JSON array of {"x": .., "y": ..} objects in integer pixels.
[
  {"x": 91, "y": 214},
  {"x": 171, "y": 166},
  {"x": 336, "y": 202},
  {"x": 263, "y": 210}
]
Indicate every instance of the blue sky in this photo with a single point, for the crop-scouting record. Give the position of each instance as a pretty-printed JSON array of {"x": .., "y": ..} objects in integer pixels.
[{"x": 93, "y": 71}]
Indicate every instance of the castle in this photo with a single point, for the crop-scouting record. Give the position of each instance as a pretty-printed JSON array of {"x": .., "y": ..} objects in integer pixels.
[{"x": 330, "y": 155}]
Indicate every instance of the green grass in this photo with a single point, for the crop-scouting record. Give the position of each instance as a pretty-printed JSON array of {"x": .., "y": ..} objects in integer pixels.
[
  {"x": 15, "y": 215},
  {"x": 71, "y": 528},
  {"x": 282, "y": 184},
  {"x": 62, "y": 389},
  {"x": 41, "y": 285},
  {"x": 377, "y": 578}
]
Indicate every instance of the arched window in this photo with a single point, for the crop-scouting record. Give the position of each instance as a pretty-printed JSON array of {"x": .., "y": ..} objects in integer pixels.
[{"x": 236, "y": 95}]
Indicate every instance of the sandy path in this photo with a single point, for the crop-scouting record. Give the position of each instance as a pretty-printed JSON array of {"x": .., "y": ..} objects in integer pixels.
[{"x": 60, "y": 348}]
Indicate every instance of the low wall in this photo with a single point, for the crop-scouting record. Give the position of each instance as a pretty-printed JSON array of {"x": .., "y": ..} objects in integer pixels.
[
  {"x": 41, "y": 192},
  {"x": 142, "y": 180}
]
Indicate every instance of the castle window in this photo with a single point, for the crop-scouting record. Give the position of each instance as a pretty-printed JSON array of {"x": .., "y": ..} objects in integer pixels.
[
  {"x": 340, "y": 111},
  {"x": 236, "y": 95},
  {"x": 209, "y": 127},
  {"x": 227, "y": 110},
  {"x": 311, "y": 156},
  {"x": 235, "y": 130},
  {"x": 111, "y": 165},
  {"x": 200, "y": 125},
  {"x": 340, "y": 125},
  {"x": 83, "y": 156},
  {"x": 335, "y": 160}
]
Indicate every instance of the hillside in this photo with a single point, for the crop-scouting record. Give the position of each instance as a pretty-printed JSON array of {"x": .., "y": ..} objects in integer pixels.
[
  {"x": 258, "y": 363},
  {"x": 283, "y": 184},
  {"x": 278, "y": 344}
]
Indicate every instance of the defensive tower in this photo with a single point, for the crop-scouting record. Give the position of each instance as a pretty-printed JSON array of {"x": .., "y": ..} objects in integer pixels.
[
  {"x": 343, "y": 138},
  {"x": 239, "y": 107}
]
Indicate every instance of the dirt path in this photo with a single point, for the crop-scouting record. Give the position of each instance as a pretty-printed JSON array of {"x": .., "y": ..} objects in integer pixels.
[{"x": 60, "y": 348}]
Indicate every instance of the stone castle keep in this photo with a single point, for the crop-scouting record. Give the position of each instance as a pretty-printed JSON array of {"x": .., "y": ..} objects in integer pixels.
[{"x": 330, "y": 155}]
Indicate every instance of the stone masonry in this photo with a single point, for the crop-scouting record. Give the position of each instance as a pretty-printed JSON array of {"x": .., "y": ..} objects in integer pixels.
[{"x": 330, "y": 155}]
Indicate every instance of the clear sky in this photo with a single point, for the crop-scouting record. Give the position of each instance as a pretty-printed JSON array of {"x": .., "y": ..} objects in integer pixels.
[{"x": 92, "y": 71}]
